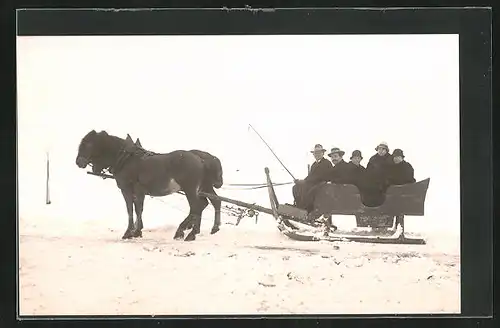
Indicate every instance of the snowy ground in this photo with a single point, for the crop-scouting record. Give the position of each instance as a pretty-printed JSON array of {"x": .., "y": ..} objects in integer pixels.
[{"x": 83, "y": 267}]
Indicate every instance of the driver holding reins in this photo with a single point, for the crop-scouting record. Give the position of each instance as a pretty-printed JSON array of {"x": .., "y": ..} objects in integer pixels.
[{"x": 320, "y": 172}]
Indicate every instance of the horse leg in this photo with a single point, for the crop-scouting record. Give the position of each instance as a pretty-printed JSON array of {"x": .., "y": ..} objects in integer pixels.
[
  {"x": 186, "y": 224},
  {"x": 192, "y": 199},
  {"x": 190, "y": 224},
  {"x": 129, "y": 201},
  {"x": 139, "y": 206},
  {"x": 202, "y": 204},
  {"x": 217, "y": 206}
]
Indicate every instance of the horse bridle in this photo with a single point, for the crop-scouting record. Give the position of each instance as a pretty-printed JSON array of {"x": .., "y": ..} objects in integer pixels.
[{"x": 113, "y": 168}]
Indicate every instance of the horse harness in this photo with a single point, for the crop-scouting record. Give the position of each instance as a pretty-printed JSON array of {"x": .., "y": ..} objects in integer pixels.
[{"x": 125, "y": 155}]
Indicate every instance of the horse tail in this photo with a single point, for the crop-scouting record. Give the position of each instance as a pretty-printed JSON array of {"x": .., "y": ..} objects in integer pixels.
[
  {"x": 213, "y": 167},
  {"x": 218, "y": 180}
]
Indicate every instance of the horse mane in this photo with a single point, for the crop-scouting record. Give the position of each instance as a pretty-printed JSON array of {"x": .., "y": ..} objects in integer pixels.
[{"x": 136, "y": 147}]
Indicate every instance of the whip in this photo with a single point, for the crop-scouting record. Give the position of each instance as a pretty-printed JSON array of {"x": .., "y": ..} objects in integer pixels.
[{"x": 250, "y": 125}]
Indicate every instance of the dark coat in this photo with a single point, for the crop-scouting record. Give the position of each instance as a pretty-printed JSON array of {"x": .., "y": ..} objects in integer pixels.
[
  {"x": 320, "y": 171},
  {"x": 374, "y": 181},
  {"x": 377, "y": 170},
  {"x": 303, "y": 191},
  {"x": 341, "y": 173},
  {"x": 380, "y": 163},
  {"x": 400, "y": 174},
  {"x": 356, "y": 173}
]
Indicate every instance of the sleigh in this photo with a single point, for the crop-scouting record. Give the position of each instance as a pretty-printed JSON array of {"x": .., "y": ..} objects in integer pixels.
[{"x": 340, "y": 199}]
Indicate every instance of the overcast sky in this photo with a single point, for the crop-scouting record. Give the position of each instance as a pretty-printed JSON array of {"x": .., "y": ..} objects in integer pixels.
[{"x": 185, "y": 92}]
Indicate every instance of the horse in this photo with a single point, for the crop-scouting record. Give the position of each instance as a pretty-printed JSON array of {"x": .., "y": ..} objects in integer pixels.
[
  {"x": 213, "y": 178},
  {"x": 138, "y": 173}
]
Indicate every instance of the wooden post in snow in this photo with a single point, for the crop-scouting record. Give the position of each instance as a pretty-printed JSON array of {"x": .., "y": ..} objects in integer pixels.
[{"x": 47, "y": 190}]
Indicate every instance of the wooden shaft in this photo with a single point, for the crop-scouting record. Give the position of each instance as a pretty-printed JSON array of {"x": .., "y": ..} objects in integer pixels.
[
  {"x": 102, "y": 175},
  {"x": 211, "y": 196},
  {"x": 237, "y": 202}
]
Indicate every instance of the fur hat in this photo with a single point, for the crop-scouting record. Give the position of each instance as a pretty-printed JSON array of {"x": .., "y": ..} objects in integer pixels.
[{"x": 336, "y": 150}]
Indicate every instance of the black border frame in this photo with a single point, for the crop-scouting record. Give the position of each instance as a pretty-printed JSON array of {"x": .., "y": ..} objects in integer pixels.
[{"x": 474, "y": 25}]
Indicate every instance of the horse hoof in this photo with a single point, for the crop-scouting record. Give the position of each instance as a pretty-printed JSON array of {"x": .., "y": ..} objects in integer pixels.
[
  {"x": 214, "y": 230},
  {"x": 179, "y": 235},
  {"x": 137, "y": 233},
  {"x": 127, "y": 235},
  {"x": 190, "y": 237}
]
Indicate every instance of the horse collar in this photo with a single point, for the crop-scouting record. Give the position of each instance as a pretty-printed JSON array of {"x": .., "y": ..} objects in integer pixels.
[{"x": 120, "y": 161}]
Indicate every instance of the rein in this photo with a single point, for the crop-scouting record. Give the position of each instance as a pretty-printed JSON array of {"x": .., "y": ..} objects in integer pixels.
[
  {"x": 124, "y": 155},
  {"x": 252, "y": 186}
]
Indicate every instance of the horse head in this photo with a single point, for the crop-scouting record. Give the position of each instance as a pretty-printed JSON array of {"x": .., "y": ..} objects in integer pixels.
[{"x": 91, "y": 150}]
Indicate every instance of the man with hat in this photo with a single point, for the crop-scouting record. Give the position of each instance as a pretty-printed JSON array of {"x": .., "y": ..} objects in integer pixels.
[
  {"x": 320, "y": 172},
  {"x": 401, "y": 172},
  {"x": 341, "y": 170}
]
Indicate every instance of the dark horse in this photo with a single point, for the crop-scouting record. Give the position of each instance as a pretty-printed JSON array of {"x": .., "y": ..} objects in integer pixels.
[
  {"x": 212, "y": 179},
  {"x": 139, "y": 173}
]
